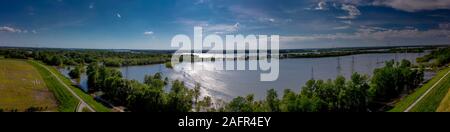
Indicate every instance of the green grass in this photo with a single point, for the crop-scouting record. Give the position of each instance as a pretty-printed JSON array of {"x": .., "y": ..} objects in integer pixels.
[
  {"x": 87, "y": 98},
  {"x": 22, "y": 87},
  {"x": 66, "y": 101},
  {"x": 85, "y": 109},
  {"x": 430, "y": 102},
  {"x": 98, "y": 107},
  {"x": 445, "y": 104}
]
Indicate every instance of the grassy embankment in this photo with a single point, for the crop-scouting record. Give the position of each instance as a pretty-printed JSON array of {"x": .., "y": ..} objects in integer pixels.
[
  {"x": 66, "y": 101},
  {"x": 22, "y": 88},
  {"x": 432, "y": 100},
  {"x": 87, "y": 98}
]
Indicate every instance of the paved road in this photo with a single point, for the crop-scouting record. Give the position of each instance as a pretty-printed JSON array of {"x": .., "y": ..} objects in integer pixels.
[
  {"x": 82, "y": 103},
  {"x": 81, "y": 106},
  {"x": 426, "y": 92}
]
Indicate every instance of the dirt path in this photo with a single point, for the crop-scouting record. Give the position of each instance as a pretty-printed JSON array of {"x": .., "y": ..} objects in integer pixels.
[{"x": 82, "y": 102}]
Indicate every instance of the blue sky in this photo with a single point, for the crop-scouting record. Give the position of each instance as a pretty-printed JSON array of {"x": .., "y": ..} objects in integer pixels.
[{"x": 151, "y": 24}]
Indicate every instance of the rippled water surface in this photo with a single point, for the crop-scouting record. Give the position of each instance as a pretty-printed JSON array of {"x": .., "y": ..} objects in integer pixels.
[{"x": 293, "y": 74}]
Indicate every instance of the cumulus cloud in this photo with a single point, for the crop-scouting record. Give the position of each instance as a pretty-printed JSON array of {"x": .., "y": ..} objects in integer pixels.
[
  {"x": 377, "y": 34},
  {"x": 10, "y": 29},
  {"x": 404, "y": 5},
  {"x": 251, "y": 14},
  {"x": 321, "y": 6},
  {"x": 414, "y": 5},
  {"x": 352, "y": 11},
  {"x": 148, "y": 33}
]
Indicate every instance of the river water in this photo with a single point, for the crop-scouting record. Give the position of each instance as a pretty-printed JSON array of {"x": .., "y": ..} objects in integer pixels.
[{"x": 294, "y": 73}]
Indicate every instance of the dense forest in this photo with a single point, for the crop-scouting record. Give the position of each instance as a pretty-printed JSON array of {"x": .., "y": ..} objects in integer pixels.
[
  {"x": 358, "y": 93},
  {"x": 144, "y": 97},
  {"x": 345, "y": 52},
  {"x": 436, "y": 58},
  {"x": 59, "y": 57}
]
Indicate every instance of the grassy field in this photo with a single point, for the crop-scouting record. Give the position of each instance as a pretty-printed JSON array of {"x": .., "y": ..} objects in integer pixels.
[
  {"x": 87, "y": 98},
  {"x": 22, "y": 88},
  {"x": 67, "y": 102},
  {"x": 430, "y": 102},
  {"x": 445, "y": 104}
]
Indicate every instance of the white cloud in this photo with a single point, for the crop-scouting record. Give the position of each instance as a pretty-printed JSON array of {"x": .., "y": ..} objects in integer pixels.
[
  {"x": 16, "y": 30},
  {"x": 271, "y": 20},
  {"x": 341, "y": 27},
  {"x": 223, "y": 28},
  {"x": 190, "y": 22},
  {"x": 148, "y": 33},
  {"x": 321, "y": 6},
  {"x": 352, "y": 2},
  {"x": 352, "y": 11},
  {"x": 118, "y": 15},
  {"x": 347, "y": 22},
  {"x": 251, "y": 14},
  {"x": 377, "y": 34},
  {"x": 414, "y": 5},
  {"x": 404, "y": 5},
  {"x": 10, "y": 29},
  {"x": 211, "y": 28},
  {"x": 200, "y": 2}
]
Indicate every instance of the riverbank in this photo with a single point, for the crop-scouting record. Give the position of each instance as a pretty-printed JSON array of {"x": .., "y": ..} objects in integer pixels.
[
  {"x": 62, "y": 87},
  {"x": 431, "y": 100}
]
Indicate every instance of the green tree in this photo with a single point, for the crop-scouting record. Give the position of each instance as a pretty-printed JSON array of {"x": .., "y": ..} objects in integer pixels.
[
  {"x": 239, "y": 104},
  {"x": 196, "y": 94},
  {"x": 76, "y": 72},
  {"x": 273, "y": 103},
  {"x": 180, "y": 99}
]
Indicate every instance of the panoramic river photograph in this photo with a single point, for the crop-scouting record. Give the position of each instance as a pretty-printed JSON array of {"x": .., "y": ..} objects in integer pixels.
[{"x": 224, "y": 56}]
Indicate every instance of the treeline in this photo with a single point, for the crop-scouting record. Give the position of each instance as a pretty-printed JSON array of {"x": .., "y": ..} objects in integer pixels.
[
  {"x": 436, "y": 58},
  {"x": 359, "y": 94},
  {"x": 346, "y": 52},
  {"x": 59, "y": 57},
  {"x": 144, "y": 97}
]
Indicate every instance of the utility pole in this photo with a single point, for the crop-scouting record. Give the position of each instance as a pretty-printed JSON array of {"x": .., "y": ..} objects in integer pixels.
[
  {"x": 339, "y": 65},
  {"x": 160, "y": 65},
  {"x": 126, "y": 67},
  {"x": 353, "y": 64}
]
